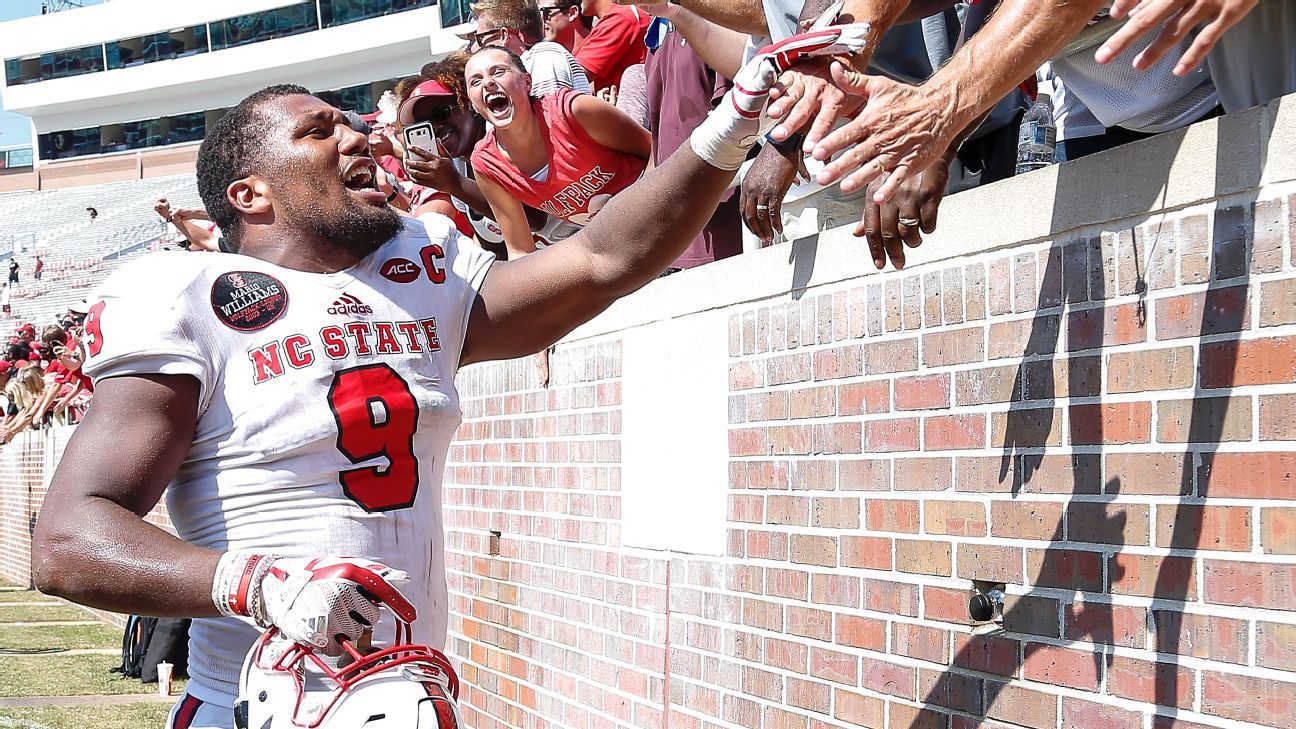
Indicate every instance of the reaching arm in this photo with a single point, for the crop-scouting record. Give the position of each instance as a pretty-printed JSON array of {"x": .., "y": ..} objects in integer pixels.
[
  {"x": 435, "y": 205},
  {"x": 807, "y": 94},
  {"x": 43, "y": 403},
  {"x": 63, "y": 402},
  {"x": 720, "y": 47},
  {"x": 611, "y": 127},
  {"x": 92, "y": 544},
  {"x": 510, "y": 214},
  {"x": 744, "y": 16},
  {"x": 902, "y": 129},
  {"x": 185, "y": 221},
  {"x": 191, "y": 214},
  {"x": 526, "y": 305}
]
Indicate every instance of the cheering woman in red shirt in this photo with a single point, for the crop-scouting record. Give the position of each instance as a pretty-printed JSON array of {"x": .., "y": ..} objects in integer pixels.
[{"x": 566, "y": 154}]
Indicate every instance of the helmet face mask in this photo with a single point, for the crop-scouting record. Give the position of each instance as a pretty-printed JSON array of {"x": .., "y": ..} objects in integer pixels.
[{"x": 285, "y": 685}]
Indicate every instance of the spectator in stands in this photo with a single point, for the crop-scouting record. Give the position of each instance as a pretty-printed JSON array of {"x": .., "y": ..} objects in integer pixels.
[
  {"x": 94, "y": 213},
  {"x": 13, "y": 270},
  {"x": 24, "y": 392},
  {"x": 19, "y": 351},
  {"x": 614, "y": 44},
  {"x": 67, "y": 389},
  {"x": 384, "y": 146},
  {"x": 39, "y": 268},
  {"x": 5, "y": 293},
  {"x": 199, "y": 232},
  {"x": 458, "y": 129},
  {"x": 516, "y": 25},
  {"x": 681, "y": 90},
  {"x": 563, "y": 23},
  {"x": 26, "y": 333},
  {"x": 565, "y": 154},
  {"x": 77, "y": 313},
  {"x": 6, "y": 371},
  {"x": 427, "y": 100}
]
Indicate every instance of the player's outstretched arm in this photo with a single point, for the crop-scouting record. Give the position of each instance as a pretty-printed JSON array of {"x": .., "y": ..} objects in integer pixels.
[
  {"x": 531, "y": 302},
  {"x": 528, "y": 304},
  {"x": 92, "y": 544}
]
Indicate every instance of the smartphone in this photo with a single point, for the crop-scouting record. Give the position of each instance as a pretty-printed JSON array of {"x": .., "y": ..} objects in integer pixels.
[{"x": 419, "y": 135}]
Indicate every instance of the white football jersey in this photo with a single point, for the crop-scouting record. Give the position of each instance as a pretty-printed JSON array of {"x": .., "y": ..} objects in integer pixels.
[{"x": 327, "y": 407}]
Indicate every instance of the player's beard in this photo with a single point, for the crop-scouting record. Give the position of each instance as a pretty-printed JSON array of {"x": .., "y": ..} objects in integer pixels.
[{"x": 359, "y": 228}]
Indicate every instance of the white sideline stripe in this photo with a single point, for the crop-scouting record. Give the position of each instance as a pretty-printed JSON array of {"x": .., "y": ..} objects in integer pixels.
[
  {"x": 49, "y": 623},
  {"x": 69, "y": 652},
  {"x": 85, "y": 700},
  {"x": 29, "y": 604}
]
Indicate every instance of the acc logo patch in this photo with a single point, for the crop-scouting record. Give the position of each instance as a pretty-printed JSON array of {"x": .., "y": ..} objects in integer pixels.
[
  {"x": 248, "y": 300},
  {"x": 400, "y": 270}
]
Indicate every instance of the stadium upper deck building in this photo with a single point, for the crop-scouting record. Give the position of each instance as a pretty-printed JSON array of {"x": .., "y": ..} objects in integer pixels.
[{"x": 126, "y": 89}]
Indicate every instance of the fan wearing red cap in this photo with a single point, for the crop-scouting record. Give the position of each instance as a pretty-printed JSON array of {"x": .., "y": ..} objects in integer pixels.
[
  {"x": 432, "y": 98},
  {"x": 565, "y": 154}
]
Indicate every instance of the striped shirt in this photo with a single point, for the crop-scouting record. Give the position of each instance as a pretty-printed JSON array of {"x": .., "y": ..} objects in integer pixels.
[{"x": 552, "y": 68}]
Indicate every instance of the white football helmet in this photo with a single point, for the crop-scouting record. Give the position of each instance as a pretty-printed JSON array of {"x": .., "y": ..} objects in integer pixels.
[{"x": 285, "y": 685}]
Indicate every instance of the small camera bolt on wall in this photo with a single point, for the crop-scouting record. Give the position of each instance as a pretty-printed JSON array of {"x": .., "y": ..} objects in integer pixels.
[{"x": 987, "y": 602}]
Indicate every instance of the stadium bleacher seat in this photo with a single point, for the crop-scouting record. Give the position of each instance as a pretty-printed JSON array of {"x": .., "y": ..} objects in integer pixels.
[{"x": 78, "y": 252}]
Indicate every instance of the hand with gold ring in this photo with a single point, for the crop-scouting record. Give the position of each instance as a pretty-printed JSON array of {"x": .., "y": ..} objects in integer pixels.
[{"x": 891, "y": 226}]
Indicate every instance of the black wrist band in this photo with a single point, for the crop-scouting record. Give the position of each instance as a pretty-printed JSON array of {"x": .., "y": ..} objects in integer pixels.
[{"x": 789, "y": 145}]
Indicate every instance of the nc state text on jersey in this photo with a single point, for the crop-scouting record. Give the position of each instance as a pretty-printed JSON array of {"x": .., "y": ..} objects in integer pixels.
[{"x": 340, "y": 341}]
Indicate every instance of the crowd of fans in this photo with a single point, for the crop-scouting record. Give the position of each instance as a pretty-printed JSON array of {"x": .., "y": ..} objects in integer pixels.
[
  {"x": 552, "y": 107},
  {"x": 41, "y": 383}
]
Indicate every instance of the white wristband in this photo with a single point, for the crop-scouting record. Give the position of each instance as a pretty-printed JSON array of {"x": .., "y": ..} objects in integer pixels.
[{"x": 234, "y": 588}]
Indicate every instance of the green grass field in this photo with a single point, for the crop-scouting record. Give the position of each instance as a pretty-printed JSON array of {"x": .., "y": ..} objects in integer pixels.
[
  {"x": 113, "y": 716},
  {"x": 59, "y": 675},
  {"x": 41, "y": 613},
  {"x": 60, "y": 636},
  {"x": 25, "y": 596}
]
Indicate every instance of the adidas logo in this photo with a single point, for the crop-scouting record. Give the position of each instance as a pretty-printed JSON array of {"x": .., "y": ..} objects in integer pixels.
[{"x": 348, "y": 304}]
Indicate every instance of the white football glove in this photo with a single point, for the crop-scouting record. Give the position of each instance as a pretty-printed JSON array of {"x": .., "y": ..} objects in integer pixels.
[
  {"x": 314, "y": 602},
  {"x": 724, "y": 137}
]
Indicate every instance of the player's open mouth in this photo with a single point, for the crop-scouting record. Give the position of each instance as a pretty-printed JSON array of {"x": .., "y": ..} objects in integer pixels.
[{"x": 361, "y": 178}]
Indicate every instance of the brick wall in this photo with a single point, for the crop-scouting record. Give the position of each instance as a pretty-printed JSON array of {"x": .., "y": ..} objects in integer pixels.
[
  {"x": 1102, "y": 421},
  {"x": 1083, "y": 388}
]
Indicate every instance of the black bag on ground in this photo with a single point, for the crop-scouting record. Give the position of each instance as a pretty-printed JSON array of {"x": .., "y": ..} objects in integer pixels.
[{"x": 149, "y": 641}]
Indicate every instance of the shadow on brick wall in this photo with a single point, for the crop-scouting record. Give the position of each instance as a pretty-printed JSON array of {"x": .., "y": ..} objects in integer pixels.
[{"x": 978, "y": 685}]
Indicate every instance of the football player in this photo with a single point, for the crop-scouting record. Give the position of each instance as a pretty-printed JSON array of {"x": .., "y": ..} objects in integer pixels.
[{"x": 297, "y": 395}]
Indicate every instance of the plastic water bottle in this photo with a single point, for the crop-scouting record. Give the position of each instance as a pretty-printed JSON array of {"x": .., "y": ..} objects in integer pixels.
[{"x": 1037, "y": 139}]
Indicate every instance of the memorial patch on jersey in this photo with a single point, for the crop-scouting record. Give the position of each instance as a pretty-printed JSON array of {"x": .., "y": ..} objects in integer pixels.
[
  {"x": 400, "y": 270},
  {"x": 248, "y": 300}
]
